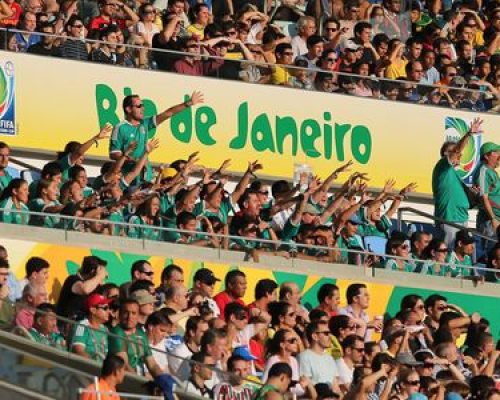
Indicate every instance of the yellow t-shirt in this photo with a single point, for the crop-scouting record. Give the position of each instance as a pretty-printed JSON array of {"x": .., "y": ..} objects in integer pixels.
[
  {"x": 196, "y": 30},
  {"x": 280, "y": 76},
  {"x": 396, "y": 70}
]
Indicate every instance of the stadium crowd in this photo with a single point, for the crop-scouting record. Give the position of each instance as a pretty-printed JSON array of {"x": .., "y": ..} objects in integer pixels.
[
  {"x": 131, "y": 198},
  {"x": 218, "y": 347},
  {"x": 347, "y": 46}
]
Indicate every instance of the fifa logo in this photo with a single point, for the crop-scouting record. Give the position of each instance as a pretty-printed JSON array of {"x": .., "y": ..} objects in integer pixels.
[
  {"x": 7, "y": 99},
  {"x": 455, "y": 129}
]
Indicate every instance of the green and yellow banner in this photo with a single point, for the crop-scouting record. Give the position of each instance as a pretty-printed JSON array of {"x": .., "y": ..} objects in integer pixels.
[
  {"x": 61, "y": 100},
  {"x": 384, "y": 298}
]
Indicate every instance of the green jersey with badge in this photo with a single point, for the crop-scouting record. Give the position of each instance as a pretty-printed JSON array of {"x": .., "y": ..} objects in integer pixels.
[
  {"x": 136, "y": 347},
  {"x": 94, "y": 341},
  {"x": 457, "y": 267},
  {"x": 124, "y": 134}
]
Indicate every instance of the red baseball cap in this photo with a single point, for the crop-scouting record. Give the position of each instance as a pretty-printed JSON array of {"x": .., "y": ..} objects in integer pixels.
[{"x": 96, "y": 299}]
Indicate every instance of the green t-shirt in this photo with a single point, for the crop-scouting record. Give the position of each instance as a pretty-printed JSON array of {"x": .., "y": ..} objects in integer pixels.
[
  {"x": 354, "y": 242},
  {"x": 430, "y": 267},
  {"x": 4, "y": 180},
  {"x": 65, "y": 164},
  {"x": 393, "y": 265},
  {"x": 53, "y": 340},
  {"x": 149, "y": 232},
  {"x": 137, "y": 350},
  {"x": 382, "y": 229},
  {"x": 95, "y": 342},
  {"x": 263, "y": 390},
  {"x": 38, "y": 205},
  {"x": 223, "y": 213},
  {"x": 124, "y": 134},
  {"x": 14, "y": 217},
  {"x": 455, "y": 268},
  {"x": 450, "y": 200},
  {"x": 117, "y": 216},
  {"x": 489, "y": 183}
]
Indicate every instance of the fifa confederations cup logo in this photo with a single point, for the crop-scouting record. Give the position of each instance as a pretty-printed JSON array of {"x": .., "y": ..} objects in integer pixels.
[{"x": 455, "y": 129}]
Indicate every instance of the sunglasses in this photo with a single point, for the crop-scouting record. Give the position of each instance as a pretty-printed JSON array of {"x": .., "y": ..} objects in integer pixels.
[
  {"x": 331, "y": 29},
  {"x": 442, "y": 250},
  {"x": 290, "y": 315},
  {"x": 105, "y": 308},
  {"x": 413, "y": 383},
  {"x": 323, "y": 333},
  {"x": 288, "y": 53},
  {"x": 332, "y": 60},
  {"x": 148, "y": 273},
  {"x": 241, "y": 317},
  {"x": 77, "y": 26},
  {"x": 231, "y": 33},
  {"x": 428, "y": 365},
  {"x": 138, "y": 105},
  {"x": 291, "y": 341},
  {"x": 442, "y": 308},
  {"x": 420, "y": 307},
  {"x": 359, "y": 349}
]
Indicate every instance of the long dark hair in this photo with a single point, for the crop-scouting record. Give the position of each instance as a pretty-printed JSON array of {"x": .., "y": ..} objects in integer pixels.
[{"x": 14, "y": 184}]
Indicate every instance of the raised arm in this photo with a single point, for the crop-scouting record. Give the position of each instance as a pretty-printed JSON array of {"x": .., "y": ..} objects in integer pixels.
[
  {"x": 151, "y": 146},
  {"x": 104, "y": 133},
  {"x": 245, "y": 180},
  {"x": 196, "y": 98}
]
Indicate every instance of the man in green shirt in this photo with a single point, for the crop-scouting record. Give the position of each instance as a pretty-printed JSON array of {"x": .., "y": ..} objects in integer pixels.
[
  {"x": 130, "y": 342},
  {"x": 278, "y": 381},
  {"x": 90, "y": 336},
  {"x": 486, "y": 178},
  {"x": 135, "y": 128},
  {"x": 451, "y": 202},
  {"x": 44, "y": 330},
  {"x": 5, "y": 178}
]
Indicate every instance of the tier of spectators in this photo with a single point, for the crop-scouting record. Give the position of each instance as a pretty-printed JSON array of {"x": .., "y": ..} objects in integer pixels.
[
  {"x": 308, "y": 220},
  {"x": 429, "y": 349},
  {"x": 454, "y": 45}
]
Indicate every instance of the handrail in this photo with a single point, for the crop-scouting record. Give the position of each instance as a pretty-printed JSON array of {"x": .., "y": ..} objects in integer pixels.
[
  {"x": 109, "y": 334},
  {"x": 259, "y": 63},
  {"x": 278, "y": 243},
  {"x": 472, "y": 231}
]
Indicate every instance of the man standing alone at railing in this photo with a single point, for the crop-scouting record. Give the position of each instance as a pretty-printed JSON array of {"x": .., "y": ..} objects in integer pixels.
[
  {"x": 451, "y": 202},
  {"x": 486, "y": 178}
]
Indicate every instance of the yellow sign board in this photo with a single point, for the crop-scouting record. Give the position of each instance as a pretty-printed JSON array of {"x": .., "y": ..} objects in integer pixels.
[{"x": 62, "y": 100}]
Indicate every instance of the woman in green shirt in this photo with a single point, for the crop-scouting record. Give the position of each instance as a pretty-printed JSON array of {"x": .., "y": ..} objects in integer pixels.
[
  {"x": 15, "y": 197},
  {"x": 398, "y": 246},
  {"x": 148, "y": 214},
  {"x": 46, "y": 201},
  {"x": 435, "y": 258}
]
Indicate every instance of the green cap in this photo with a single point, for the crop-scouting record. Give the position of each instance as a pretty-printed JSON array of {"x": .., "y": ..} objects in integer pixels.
[{"x": 488, "y": 147}]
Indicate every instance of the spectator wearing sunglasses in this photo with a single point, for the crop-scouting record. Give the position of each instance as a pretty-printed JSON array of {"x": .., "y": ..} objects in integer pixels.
[
  {"x": 353, "y": 348},
  {"x": 90, "y": 337},
  {"x": 316, "y": 363},
  {"x": 141, "y": 270}
]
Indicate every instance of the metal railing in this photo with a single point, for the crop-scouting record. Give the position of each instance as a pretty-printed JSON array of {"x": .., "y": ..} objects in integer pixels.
[
  {"x": 10, "y": 326},
  {"x": 422, "y": 91},
  {"x": 367, "y": 258},
  {"x": 437, "y": 221}
]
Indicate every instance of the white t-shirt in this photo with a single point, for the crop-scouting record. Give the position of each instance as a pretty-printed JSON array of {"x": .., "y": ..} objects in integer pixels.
[
  {"x": 160, "y": 355},
  {"x": 345, "y": 372},
  {"x": 181, "y": 352},
  {"x": 299, "y": 46},
  {"x": 320, "y": 368}
]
